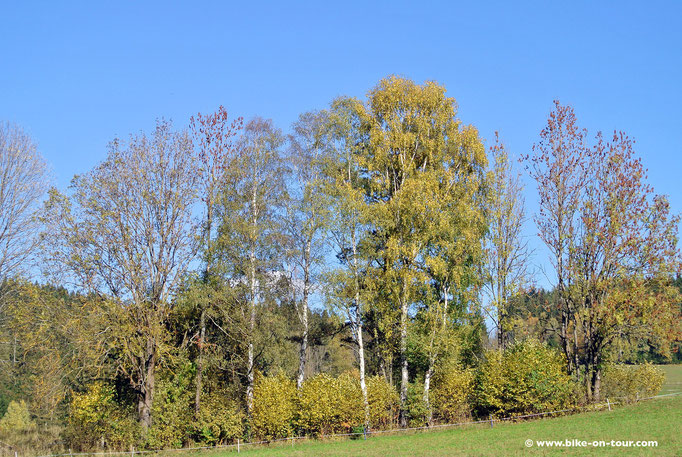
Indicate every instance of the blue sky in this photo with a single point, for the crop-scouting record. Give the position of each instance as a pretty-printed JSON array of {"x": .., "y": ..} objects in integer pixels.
[{"x": 77, "y": 74}]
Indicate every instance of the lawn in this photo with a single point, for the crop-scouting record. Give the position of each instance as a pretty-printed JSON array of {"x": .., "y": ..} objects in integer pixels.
[
  {"x": 658, "y": 419},
  {"x": 673, "y": 378}
]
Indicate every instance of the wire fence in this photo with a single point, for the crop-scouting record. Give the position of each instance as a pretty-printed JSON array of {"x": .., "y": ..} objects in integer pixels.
[{"x": 365, "y": 434}]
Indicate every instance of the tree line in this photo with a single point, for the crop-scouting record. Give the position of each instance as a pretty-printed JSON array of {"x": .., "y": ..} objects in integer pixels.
[{"x": 378, "y": 236}]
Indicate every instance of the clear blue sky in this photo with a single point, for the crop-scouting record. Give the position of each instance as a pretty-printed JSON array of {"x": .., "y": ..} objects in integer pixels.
[{"x": 76, "y": 74}]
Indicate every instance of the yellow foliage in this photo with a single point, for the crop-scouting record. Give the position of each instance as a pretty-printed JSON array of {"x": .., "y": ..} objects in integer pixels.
[
  {"x": 219, "y": 421},
  {"x": 383, "y": 403},
  {"x": 274, "y": 405},
  {"x": 96, "y": 420},
  {"x": 17, "y": 418},
  {"x": 631, "y": 382},
  {"x": 329, "y": 405},
  {"x": 451, "y": 395},
  {"x": 527, "y": 378}
]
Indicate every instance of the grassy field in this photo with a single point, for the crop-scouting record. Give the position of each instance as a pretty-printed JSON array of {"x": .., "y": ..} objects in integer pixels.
[
  {"x": 658, "y": 420},
  {"x": 673, "y": 378}
]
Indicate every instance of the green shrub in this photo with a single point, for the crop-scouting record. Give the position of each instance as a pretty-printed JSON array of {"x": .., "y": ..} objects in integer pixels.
[
  {"x": 171, "y": 411},
  {"x": 451, "y": 394},
  {"x": 97, "y": 420},
  {"x": 329, "y": 405},
  {"x": 274, "y": 405},
  {"x": 384, "y": 403},
  {"x": 17, "y": 418},
  {"x": 219, "y": 420},
  {"x": 416, "y": 407},
  {"x": 631, "y": 382},
  {"x": 527, "y": 378}
]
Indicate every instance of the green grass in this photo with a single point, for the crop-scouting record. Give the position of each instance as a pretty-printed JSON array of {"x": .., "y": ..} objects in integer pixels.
[
  {"x": 673, "y": 378},
  {"x": 657, "y": 419}
]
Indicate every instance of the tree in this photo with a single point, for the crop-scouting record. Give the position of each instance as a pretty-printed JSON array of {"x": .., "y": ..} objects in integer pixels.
[
  {"x": 307, "y": 217},
  {"x": 216, "y": 151},
  {"x": 506, "y": 252},
  {"x": 347, "y": 225},
  {"x": 125, "y": 232},
  {"x": 23, "y": 182},
  {"x": 558, "y": 167},
  {"x": 250, "y": 229},
  {"x": 412, "y": 142},
  {"x": 616, "y": 269},
  {"x": 454, "y": 216}
]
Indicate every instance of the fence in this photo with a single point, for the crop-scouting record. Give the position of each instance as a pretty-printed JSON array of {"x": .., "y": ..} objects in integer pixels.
[{"x": 239, "y": 444}]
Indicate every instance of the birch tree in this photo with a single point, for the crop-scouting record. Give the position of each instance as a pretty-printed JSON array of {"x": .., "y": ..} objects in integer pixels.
[
  {"x": 347, "y": 226},
  {"x": 307, "y": 218},
  {"x": 125, "y": 233},
  {"x": 409, "y": 132},
  {"x": 454, "y": 214},
  {"x": 251, "y": 210}
]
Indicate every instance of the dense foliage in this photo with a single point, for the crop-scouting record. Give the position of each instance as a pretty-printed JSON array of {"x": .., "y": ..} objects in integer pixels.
[
  {"x": 527, "y": 378},
  {"x": 628, "y": 383}
]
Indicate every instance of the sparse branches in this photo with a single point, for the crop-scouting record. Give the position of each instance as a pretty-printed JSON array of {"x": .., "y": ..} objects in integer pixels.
[
  {"x": 125, "y": 232},
  {"x": 23, "y": 182},
  {"x": 506, "y": 251}
]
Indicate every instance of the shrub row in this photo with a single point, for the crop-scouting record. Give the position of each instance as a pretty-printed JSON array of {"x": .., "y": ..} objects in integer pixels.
[
  {"x": 323, "y": 405},
  {"x": 527, "y": 378}
]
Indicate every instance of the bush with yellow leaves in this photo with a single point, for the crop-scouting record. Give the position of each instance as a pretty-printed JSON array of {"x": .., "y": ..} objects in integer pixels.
[
  {"x": 97, "y": 420},
  {"x": 17, "y": 418},
  {"x": 629, "y": 383},
  {"x": 384, "y": 403},
  {"x": 529, "y": 377},
  {"x": 329, "y": 405},
  {"x": 452, "y": 393},
  {"x": 274, "y": 406},
  {"x": 219, "y": 420}
]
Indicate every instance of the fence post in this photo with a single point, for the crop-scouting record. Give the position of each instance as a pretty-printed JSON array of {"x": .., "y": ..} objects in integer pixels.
[
  {"x": 132, "y": 451},
  {"x": 364, "y": 432},
  {"x": 491, "y": 420},
  {"x": 237, "y": 445},
  {"x": 608, "y": 403}
]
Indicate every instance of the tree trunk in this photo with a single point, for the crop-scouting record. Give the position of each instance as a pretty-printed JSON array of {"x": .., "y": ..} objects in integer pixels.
[
  {"x": 501, "y": 334},
  {"x": 304, "y": 340},
  {"x": 404, "y": 373},
  {"x": 202, "y": 317},
  {"x": 252, "y": 305},
  {"x": 304, "y": 317},
  {"x": 363, "y": 383},
  {"x": 252, "y": 327},
  {"x": 596, "y": 384},
  {"x": 359, "y": 337},
  {"x": 427, "y": 386},
  {"x": 147, "y": 388},
  {"x": 200, "y": 363},
  {"x": 565, "y": 344}
]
